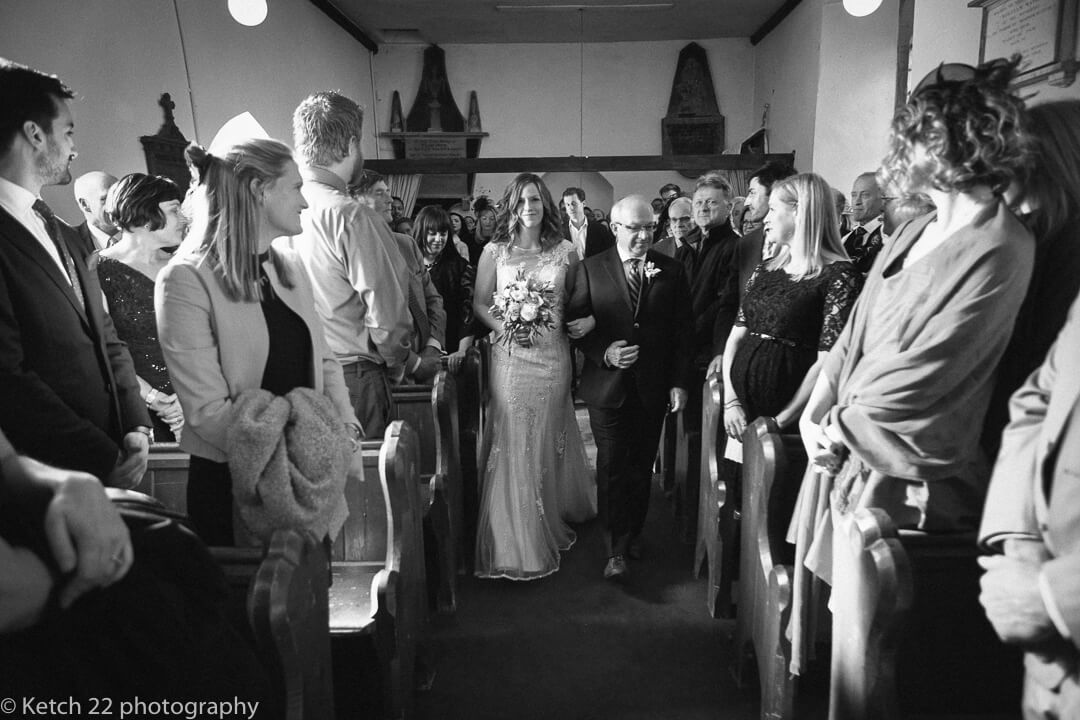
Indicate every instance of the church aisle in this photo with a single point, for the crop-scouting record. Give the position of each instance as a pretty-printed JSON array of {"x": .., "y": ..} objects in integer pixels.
[{"x": 572, "y": 646}]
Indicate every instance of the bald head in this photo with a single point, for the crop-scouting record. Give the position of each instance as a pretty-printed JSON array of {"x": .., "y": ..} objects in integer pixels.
[
  {"x": 630, "y": 206},
  {"x": 90, "y": 192},
  {"x": 632, "y": 221}
]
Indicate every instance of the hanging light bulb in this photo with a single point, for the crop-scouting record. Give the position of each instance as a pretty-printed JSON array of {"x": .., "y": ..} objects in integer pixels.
[
  {"x": 861, "y": 8},
  {"x": 248, "y": 12}
]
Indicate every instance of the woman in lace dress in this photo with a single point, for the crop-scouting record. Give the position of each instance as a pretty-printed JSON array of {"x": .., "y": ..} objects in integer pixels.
[
  {"x": 795, "y": 306},
  {"x": 535, "y": 475},
  {"x": 147, "y": 209}
]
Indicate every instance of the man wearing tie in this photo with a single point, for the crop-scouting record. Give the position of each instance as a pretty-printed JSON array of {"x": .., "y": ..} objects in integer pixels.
[
  {"x": 637, "y": 353},
  {"x": 1031, "y": 592},
  {"x": 70, "y": 396},
  {"x": 864, "y": 241}
]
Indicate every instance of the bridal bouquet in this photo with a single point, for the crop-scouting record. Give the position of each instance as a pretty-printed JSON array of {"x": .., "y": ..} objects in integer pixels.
[{"x": 526, "y": 303}]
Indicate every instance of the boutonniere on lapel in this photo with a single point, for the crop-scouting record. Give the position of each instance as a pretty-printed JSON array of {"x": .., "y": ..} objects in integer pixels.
[{"x": 651, "y": 270}]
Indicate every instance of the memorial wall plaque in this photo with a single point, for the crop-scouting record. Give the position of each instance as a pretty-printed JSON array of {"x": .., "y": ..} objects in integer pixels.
[
  {"x": 693, "y": 125},
  {"x": 1042, "y": 32},
  {"x": 432, "y": 146}
]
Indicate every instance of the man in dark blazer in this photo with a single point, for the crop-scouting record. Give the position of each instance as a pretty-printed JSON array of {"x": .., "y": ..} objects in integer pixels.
[
  {"x": 587, "y": 235},
  {"x": 634, "y": 331},
  {"x": 69, "y": 393}
]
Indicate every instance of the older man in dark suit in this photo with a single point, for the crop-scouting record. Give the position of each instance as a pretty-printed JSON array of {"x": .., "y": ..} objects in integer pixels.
[
  {"x": 70, "y": 396},
  {"x": 1031, "y": 592},
  {"x": 635, "y": 335}
]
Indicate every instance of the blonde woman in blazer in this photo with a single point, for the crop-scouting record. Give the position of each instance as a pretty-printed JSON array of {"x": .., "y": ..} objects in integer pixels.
[{"x": 236, "y": 313}]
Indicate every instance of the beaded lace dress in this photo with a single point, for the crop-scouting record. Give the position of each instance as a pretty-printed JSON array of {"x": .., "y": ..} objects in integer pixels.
[{"x": 535, "y": 474}]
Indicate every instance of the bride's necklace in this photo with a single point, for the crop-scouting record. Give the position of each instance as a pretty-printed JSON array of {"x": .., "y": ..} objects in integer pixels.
[{"x": 520, "y": 249}]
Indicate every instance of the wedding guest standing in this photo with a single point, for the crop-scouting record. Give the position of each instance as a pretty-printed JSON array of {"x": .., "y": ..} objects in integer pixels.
[
  {"x": 1051, "y": 198},
  {"x": 1031, "y": 591},
  {"x": 535, "y": 476},
  {"x": 236, "y": 313},
  {"x": 893, "y": 421},
  {"x": 796, "y": 304},
  {"x": 453, "y": 278},
  {"x": 68, "y": 389},
  {"x": 146, "y": 209},
  {"x": 637, "y": 345}
]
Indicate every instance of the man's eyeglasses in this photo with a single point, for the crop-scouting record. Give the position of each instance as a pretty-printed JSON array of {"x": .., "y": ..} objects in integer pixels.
[
  {"x": 682, "y": 220},
  {"x": 635, "y": 229},
  {"x": 708, "y": 204}
]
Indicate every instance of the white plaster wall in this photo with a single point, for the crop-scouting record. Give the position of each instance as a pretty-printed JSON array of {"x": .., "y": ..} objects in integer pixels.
[
  {"x": 568, "y": 99},
  {"x": 120, "y": 55},
  {"x": 856, "y": 86},
  {"x": 786, "y": 75}
]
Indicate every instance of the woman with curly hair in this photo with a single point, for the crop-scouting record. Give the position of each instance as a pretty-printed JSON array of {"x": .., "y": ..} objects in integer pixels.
[
  {"x": 534, "y": 473},
  {"x": 894, "y": 419}
]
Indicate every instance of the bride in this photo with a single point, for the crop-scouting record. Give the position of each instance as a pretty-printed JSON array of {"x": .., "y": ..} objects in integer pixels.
[{"x": 535, "y": 476}]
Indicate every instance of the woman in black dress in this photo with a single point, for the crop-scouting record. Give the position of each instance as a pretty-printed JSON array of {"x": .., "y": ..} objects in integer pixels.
[
  {"x": 147, "y": 209},
  {"x": 795, "y": 306},
  {"x": 452, "y": 276}
]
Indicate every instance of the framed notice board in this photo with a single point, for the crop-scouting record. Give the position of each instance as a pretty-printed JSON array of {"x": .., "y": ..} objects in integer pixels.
[{"x": 1043, "y": 32}]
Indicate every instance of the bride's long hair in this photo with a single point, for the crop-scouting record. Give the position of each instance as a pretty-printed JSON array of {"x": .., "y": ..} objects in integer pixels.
[{"x": 506, "y": 224}]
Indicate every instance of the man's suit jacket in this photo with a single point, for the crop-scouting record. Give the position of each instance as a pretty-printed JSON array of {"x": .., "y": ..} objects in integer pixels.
[
  {"x": 68, "y": 392},
  {"x": 1035, "y": 488},
  {"x": 714, "y": 288},
  {"x": 597, "y": 237},
  {"x": 660, "y": 325}
]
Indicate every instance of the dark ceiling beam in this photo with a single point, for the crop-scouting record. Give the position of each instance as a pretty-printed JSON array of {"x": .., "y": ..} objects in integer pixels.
[
  {"x": 775, "y": 19},
  {"x": 343, "y": 21},
  {"x": 611, "y": 163}
]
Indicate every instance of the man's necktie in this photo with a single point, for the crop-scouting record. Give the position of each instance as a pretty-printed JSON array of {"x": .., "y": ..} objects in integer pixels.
[
  {"x": 52, "y": 226},
  {"x": 633, "y": 279},
  {"x": 855, "y": 240}
]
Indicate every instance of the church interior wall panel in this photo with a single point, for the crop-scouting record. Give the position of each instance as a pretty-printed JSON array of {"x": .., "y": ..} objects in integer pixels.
[
  {"x": 856, "y": 85},
  {"x": 786, "y": 76},
  {"x": 117, "y": 74}
]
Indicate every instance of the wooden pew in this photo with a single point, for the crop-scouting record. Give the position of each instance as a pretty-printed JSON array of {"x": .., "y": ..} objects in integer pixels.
[
  {"x": 471, "y": 383},
  {"x": 287, "y": 608},
  {"x": 871, "y": 594},
  {"x": 378, "y": 588},
  {"x": 432, "y": 411},
  {"x": 166, "y": 476},
  {"x": 718, "y": 511},
  {"x": 685, "y": 492},
  {"x": 773, "y": 465},
  {"x": 909, "y": 636},
  {"x": 281, "y": 592}
]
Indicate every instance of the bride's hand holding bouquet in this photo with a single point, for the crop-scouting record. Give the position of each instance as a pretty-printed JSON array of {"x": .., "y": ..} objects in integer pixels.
[{"x": 525, "y": 308}]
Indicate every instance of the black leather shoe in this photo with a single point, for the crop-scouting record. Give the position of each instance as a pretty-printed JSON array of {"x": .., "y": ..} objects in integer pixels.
[
  {"x": 616, "y": 568},
  {"x": 634, "y": 550}
]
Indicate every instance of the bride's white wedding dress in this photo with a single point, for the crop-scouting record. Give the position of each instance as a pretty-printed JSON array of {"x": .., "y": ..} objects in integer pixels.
[{"x": 535, "y": 474}]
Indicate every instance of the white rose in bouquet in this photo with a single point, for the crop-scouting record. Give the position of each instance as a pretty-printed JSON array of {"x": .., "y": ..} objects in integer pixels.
[
  {"x": 529, "y": 311},
  {"x": 517, "y": 294},
  {"x": 513, "y": 311}
]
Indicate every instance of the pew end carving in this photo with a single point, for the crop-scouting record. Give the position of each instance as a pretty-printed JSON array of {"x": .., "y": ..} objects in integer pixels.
[
  {"x": 718, "y": 511},
  {"x": 772, "y": 469}
]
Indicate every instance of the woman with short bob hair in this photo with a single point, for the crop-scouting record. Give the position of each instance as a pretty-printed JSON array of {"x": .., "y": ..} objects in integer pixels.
[
  {"x": 894, "y": 419},
  {"x": 236, "y": 312},
  {"x": 146, "y": 208}
]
